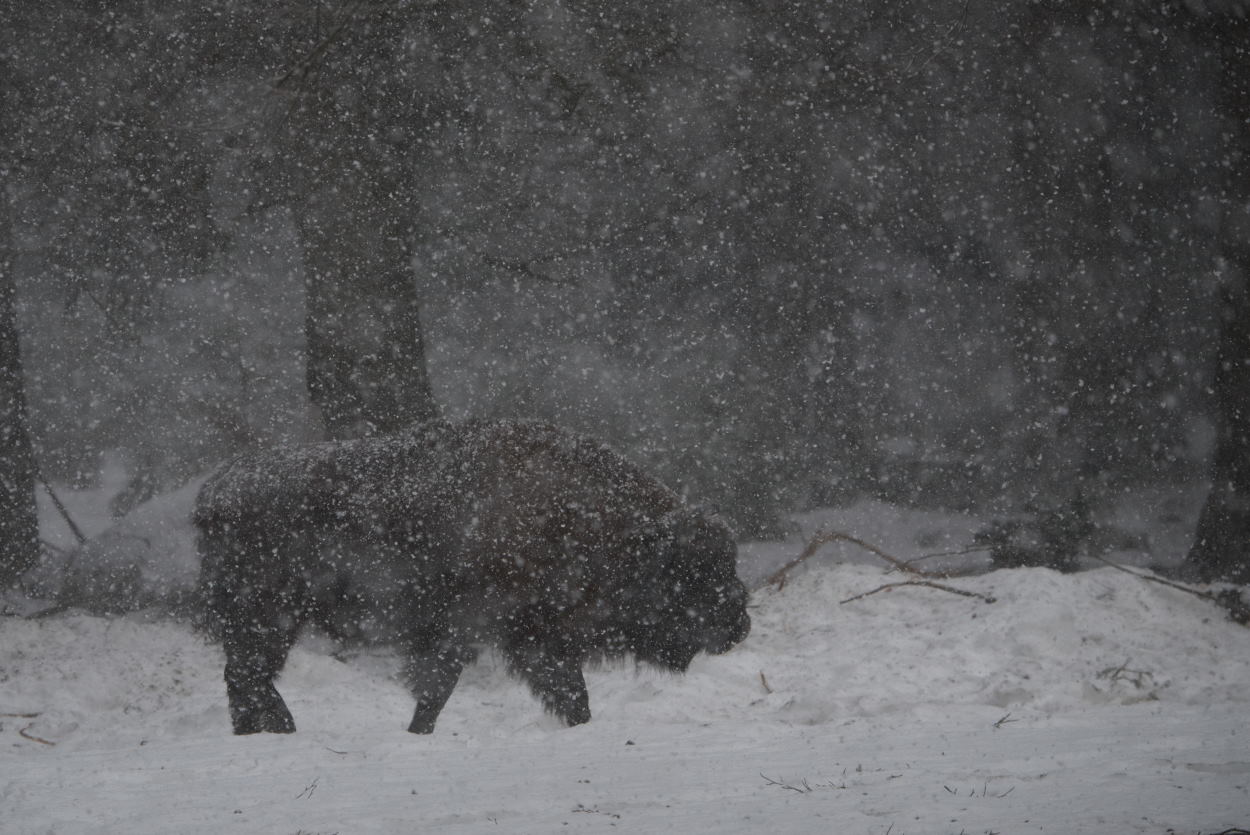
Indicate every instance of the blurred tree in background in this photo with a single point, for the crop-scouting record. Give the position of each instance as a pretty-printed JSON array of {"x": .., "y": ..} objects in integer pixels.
[
  {"x": 951, "y": 254},
  {"x": 1220, "y": 550},
  {"x": 19, "y": 530},
  {"x": 19, "y": 536}
]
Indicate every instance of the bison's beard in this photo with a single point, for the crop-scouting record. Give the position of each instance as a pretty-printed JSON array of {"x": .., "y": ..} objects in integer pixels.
[
  {"x": 682, "y": 595},
  {"x": 670, "y": 655},
  {"x": 673, "y": 640},
  {"x": 724, "y": 640}
]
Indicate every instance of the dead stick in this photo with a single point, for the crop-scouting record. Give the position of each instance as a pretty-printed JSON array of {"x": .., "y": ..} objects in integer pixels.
[
  {"x": 824, "y": 538},
  {"x": 55, "y": 550},
  {"x": 929, "y": 583},
  {"x": 321, "y": 47},
  {"x": 1153, "y": 579},
  {"x": 1229, "y": 600},
  {"x": 959, "y": 552},
  {"x": 22, "y": 732},
  {"x": 69, "y": 520}
]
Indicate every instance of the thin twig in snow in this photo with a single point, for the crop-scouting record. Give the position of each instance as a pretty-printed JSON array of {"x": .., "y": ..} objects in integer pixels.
[
  {"x": 1230, "y": 600},
  {"x": 300, "y": 70},
  {"x": 929, "y": 583},
  {"x": 309, "y": 789},
  {"x": 778, "y": 577},
  {"x": 60, "y": 506},
  {"x": 22, "y": 733}
]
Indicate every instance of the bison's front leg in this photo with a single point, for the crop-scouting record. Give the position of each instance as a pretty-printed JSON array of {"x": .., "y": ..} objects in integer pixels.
[
  {"x": 553, "y": 670},
  {"x": 432, "y": 669}
]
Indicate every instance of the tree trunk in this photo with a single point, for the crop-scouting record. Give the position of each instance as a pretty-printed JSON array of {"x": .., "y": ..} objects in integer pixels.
[
  {"x": 1221, "y": 549},
  {"x": 366, "y": 357},
  {"x": 344, "y": 173},
  {"x": 19, "y": 529}
]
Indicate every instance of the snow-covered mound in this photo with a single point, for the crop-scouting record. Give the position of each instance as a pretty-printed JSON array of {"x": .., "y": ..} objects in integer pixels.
[
  {"x": 146, "y": 559},
  {"x": 1086, "y": 702}
]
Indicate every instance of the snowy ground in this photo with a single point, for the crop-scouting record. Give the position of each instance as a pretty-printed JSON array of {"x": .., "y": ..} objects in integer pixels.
[{"x": 1093, "y": 702}]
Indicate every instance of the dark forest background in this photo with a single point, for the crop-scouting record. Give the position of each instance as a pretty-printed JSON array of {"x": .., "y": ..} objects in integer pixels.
[{"x": 957, "y": 254}]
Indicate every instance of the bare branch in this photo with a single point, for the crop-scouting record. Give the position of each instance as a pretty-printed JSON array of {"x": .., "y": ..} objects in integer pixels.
[
  {"x": 1230, "y": 600},
  {"x": 60, "y": 506},
  {"x": 825, "y": 537},
  {"x": 300, "y": 70},
  {"x": 1151, "y": 578},
  {"x": 915, "y": 65},
  {"x": 22, "y": 733},
  {"x": 929, "y": 583},
  {"x": 54, "y": 550},
  {"x": 957, "y": 552},
  {"x": 309, "y": 789}
]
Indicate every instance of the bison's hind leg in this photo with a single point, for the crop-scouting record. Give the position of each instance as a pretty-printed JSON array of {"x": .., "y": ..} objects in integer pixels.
[
  {"x": 551, "y": 664},
  {"x": 256, "y": 649},
  {"x": 258, "y": 610},
  {"x": 259, "y": 624},
  {"x": 257, "y": 708}
]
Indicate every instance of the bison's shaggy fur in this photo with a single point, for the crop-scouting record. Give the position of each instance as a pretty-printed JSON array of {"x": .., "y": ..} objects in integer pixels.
[{"x": 545, "y": 544}]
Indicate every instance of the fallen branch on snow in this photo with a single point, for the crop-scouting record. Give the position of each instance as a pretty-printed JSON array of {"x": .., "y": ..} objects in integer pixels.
[
  {"x": 928, "y": 578},
  {"x": 801, "y": 787},
  {"x": 22, "y": 733},
  {"x": 778, "y": 577},
  {"x": 929, "y": 583},
  {"x": 64, "y": 511},
  {"x": 1230, "y": 600}
]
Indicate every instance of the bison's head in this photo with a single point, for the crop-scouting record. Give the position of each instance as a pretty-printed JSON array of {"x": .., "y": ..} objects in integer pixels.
[{"x": 686, "y": 596}]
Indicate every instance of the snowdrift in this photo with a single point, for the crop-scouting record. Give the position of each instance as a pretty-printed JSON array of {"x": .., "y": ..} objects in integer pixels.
[{"x": 1086, "y": 702}]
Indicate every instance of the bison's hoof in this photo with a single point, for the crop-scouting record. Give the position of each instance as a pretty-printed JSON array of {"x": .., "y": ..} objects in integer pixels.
[
  {"x": 422, "y": 725},
  {"x": 577, "y": 716},
  {"x": 247, "y": 731},
  {"x": 264, "y": 723}
]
